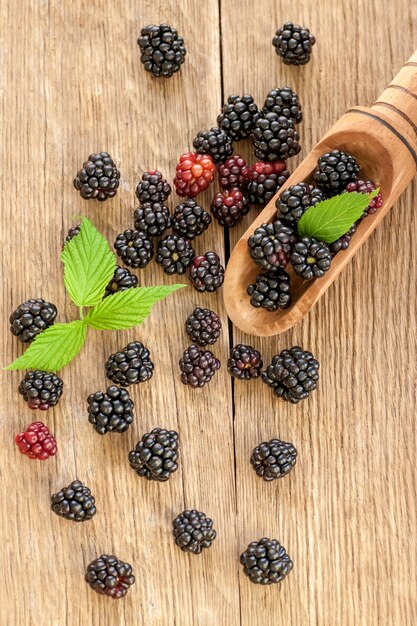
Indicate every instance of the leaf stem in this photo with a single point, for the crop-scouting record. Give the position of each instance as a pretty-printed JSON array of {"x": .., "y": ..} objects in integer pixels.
[{"x": 81, "y": 311}]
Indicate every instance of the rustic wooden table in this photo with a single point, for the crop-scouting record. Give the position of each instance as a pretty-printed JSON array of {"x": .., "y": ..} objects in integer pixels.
[{"x": 71, "y": 83}]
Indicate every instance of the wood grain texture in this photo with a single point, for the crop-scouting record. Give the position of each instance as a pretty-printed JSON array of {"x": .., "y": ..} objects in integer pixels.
[{"x": 71, "y": 83}]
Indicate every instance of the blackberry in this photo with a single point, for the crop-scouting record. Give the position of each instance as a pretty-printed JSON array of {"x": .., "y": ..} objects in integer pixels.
[
  {"x": 293, "y": 43},
  {"x": 98, "y": 178},
  {"x": 292, "y": 375},
  {"x": 270, "y": 245},
  {"x": 193, "y": 174},
  {"x": 214, "y": 142},
  {"x": 73, "y": 232},
  {"x": 244, "y": 362},
  {"x": 152, "y": 188},
  {"x": 134, "y": 248},
  {"x": 238, "y": 117},
  {"x": 175, "y": 254},
  {"x": 273, "y": 459},
  {"x": 335, "y": 170},
  {"x": 266, "y": 180},
  {"x": 367, "y": 186},
  {"x": 275, "y": 138},
  {"x": 271, "y": 291},
  {"x": 193, "y": 531},
  {"x": 203, "y": 326},
  {"x": 122, "y": 280},
  {"x": 74, "y": 502},
  {"x": 198, "y": 366},
  {"x": 190, "y": 219},
  {"x": 229, "y": 206},
  {"x": 130, "y": 366},
  {"x": 207, "y": 273},
  {"x": 310, "y": 258},
  {"x": 284, "y": 101},
  {"x": 343, "y": 242},
  {"x": 109, "y": 576},
  {"x": 41, "y": 390},
  {"x": 295, "y": 200},
  {"x": 152, "y": 219},
  {"x": 234, "y": 172},
  {"x": 31, "y": 318},
  {"x": 156, "y": 454},
  {"x": 265, "y": 562},
  {"x": 36, "y": 442},
  {"x": 111, "y": 411},
  {"x": 162, "y": 50}
]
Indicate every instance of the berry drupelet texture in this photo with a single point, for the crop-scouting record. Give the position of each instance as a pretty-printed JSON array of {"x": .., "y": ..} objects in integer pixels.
[
  {"x": 31, "y": 318},
  {"x": 134, "y": 248},
  {"x": 273, "y": 459},
  {"x": 207, "y": 272},
  {"x": 270, "y": 245},
  {"x": 271, "y": 291},
  {"x": 295, "y": 200},
  {"x": 293, "y": 43},
  {"x": 156, "y": 454},
  {"x": 284, "y": 102},
  {"x": 310, "y": 258},
  {"x": 275, "y": 138},
  {"x": 74, "y": 502},
  {"x": 203, "y": 326},
  {"x": 193, "y": 531},
  {"x": 152, "y": 188},
  {"x": 367, "y": 186},
  {"x": 244, "y": 362},
  {"x": 238, "y": 117},
  {"x": 41, "y": 390},
  {"x": 162, "y": 50},
  {"x": 214, "y": 142},
  {"x": 194, "y": 173},
  {"x": 266, "y": 562},
  {"x": 36, "y": 442},
  {"x": 343, "y": 242},
  {"x": 335, "y": 170},
  {"x": 110, "y": 411},
  {"x": 99, "y": 178},
  {"x": 293, "y": 374},
  {"x": 190, "y": 219},
  {"x": 122, "y": 279},
  {"x": 234, "y": 172},
  {"x": 73, "y": 232},
  {"x": 130, "y": 366},
  {"x": 198, "y": 366},
  {"x": 152, "y": 219},
  {"x": 229, "y": 206},
  {"x": 265, "y": 180},
  {"x": 175, "y": 254},
  {"x": 109, "y": 576}
]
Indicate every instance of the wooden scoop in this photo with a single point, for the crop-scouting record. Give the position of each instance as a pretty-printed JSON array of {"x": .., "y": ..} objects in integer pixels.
[{"x": 383, "y": 139}]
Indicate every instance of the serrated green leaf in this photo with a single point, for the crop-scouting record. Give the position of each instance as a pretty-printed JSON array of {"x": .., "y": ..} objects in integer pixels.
[
  {"x": 330, "y": 219},
  {"x": 128, "y": 308},
  {"x": 89, "y": 265},
  {"x": 53, "y": 348}
]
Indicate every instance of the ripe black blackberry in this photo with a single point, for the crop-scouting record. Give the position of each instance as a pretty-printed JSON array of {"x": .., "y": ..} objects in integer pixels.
[
  {"x": 130, "y": 366},
  {"x": 343, "y": 242},
  {"x": 265, "y": 562},
  {"x": 244, "y": 362},
  {"x": 295, "y": 200},
  {"x": 111, "y": 411},
  {"x": 122, "y": 279},
  {"x": 271, "y": 291},
  {"x": 283, "y": 101},
  {"x": 292, "y": 375},
  {"x": 41, "y": 390},
  {"x": 152, "y": 188},
  {"x": 109, "y": 576},
  {"x": 207, "y": 273},
  {"x": 152, "y": 219},
  {"x": 293, "y": 43},
  {"x": 229, "y": 206},
  {"x": 175, "y": 254},
  {"x": 134, "y": 248},
  {"x": 273, "y": 459},
  {"x": 275, "y": 138},
  {"x": 266, "y": 180},
  {"x": 335, "y": 170},
  {"x": 190, "y": 219},
  {"x": 74, "y": 502},
  {"x": 238, "y": 117},
  {"x": 31, "y": 318},
  {"x": 98, "y": 178},
  {"x": 310, "y": 258},
  {"x": 270, "y": 245},
  {"x": 162, "y": 50},
  {"x": 193, "y": 531},
  {"x": 198, "y": 366},
  {"x": 156, "y": 454},
  {"x": 234, "y": 172},
  {"x": 73, "y": 232},
  {"x": 214, "y": 142},
  {"x": 203, "y": 326}
]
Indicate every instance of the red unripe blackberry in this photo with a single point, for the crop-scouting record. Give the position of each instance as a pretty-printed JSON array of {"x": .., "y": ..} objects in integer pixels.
[
  {"x": 234, "y": 172},
  {"x": 36, "y": 442},
  {"x": 265, "y": 180},
  {"x": 229, "y": 206},
  {"x": 367, "y": 186},
  {"x": 194, "y": 173}
]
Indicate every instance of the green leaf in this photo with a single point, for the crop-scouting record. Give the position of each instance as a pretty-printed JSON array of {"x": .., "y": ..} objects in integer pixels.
[
  {"x": 332, "y": 218},
  {"x": 53, "y": 348},
  {"x": 128, "y": 308},
  {"x": 89, "y": 265}
]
